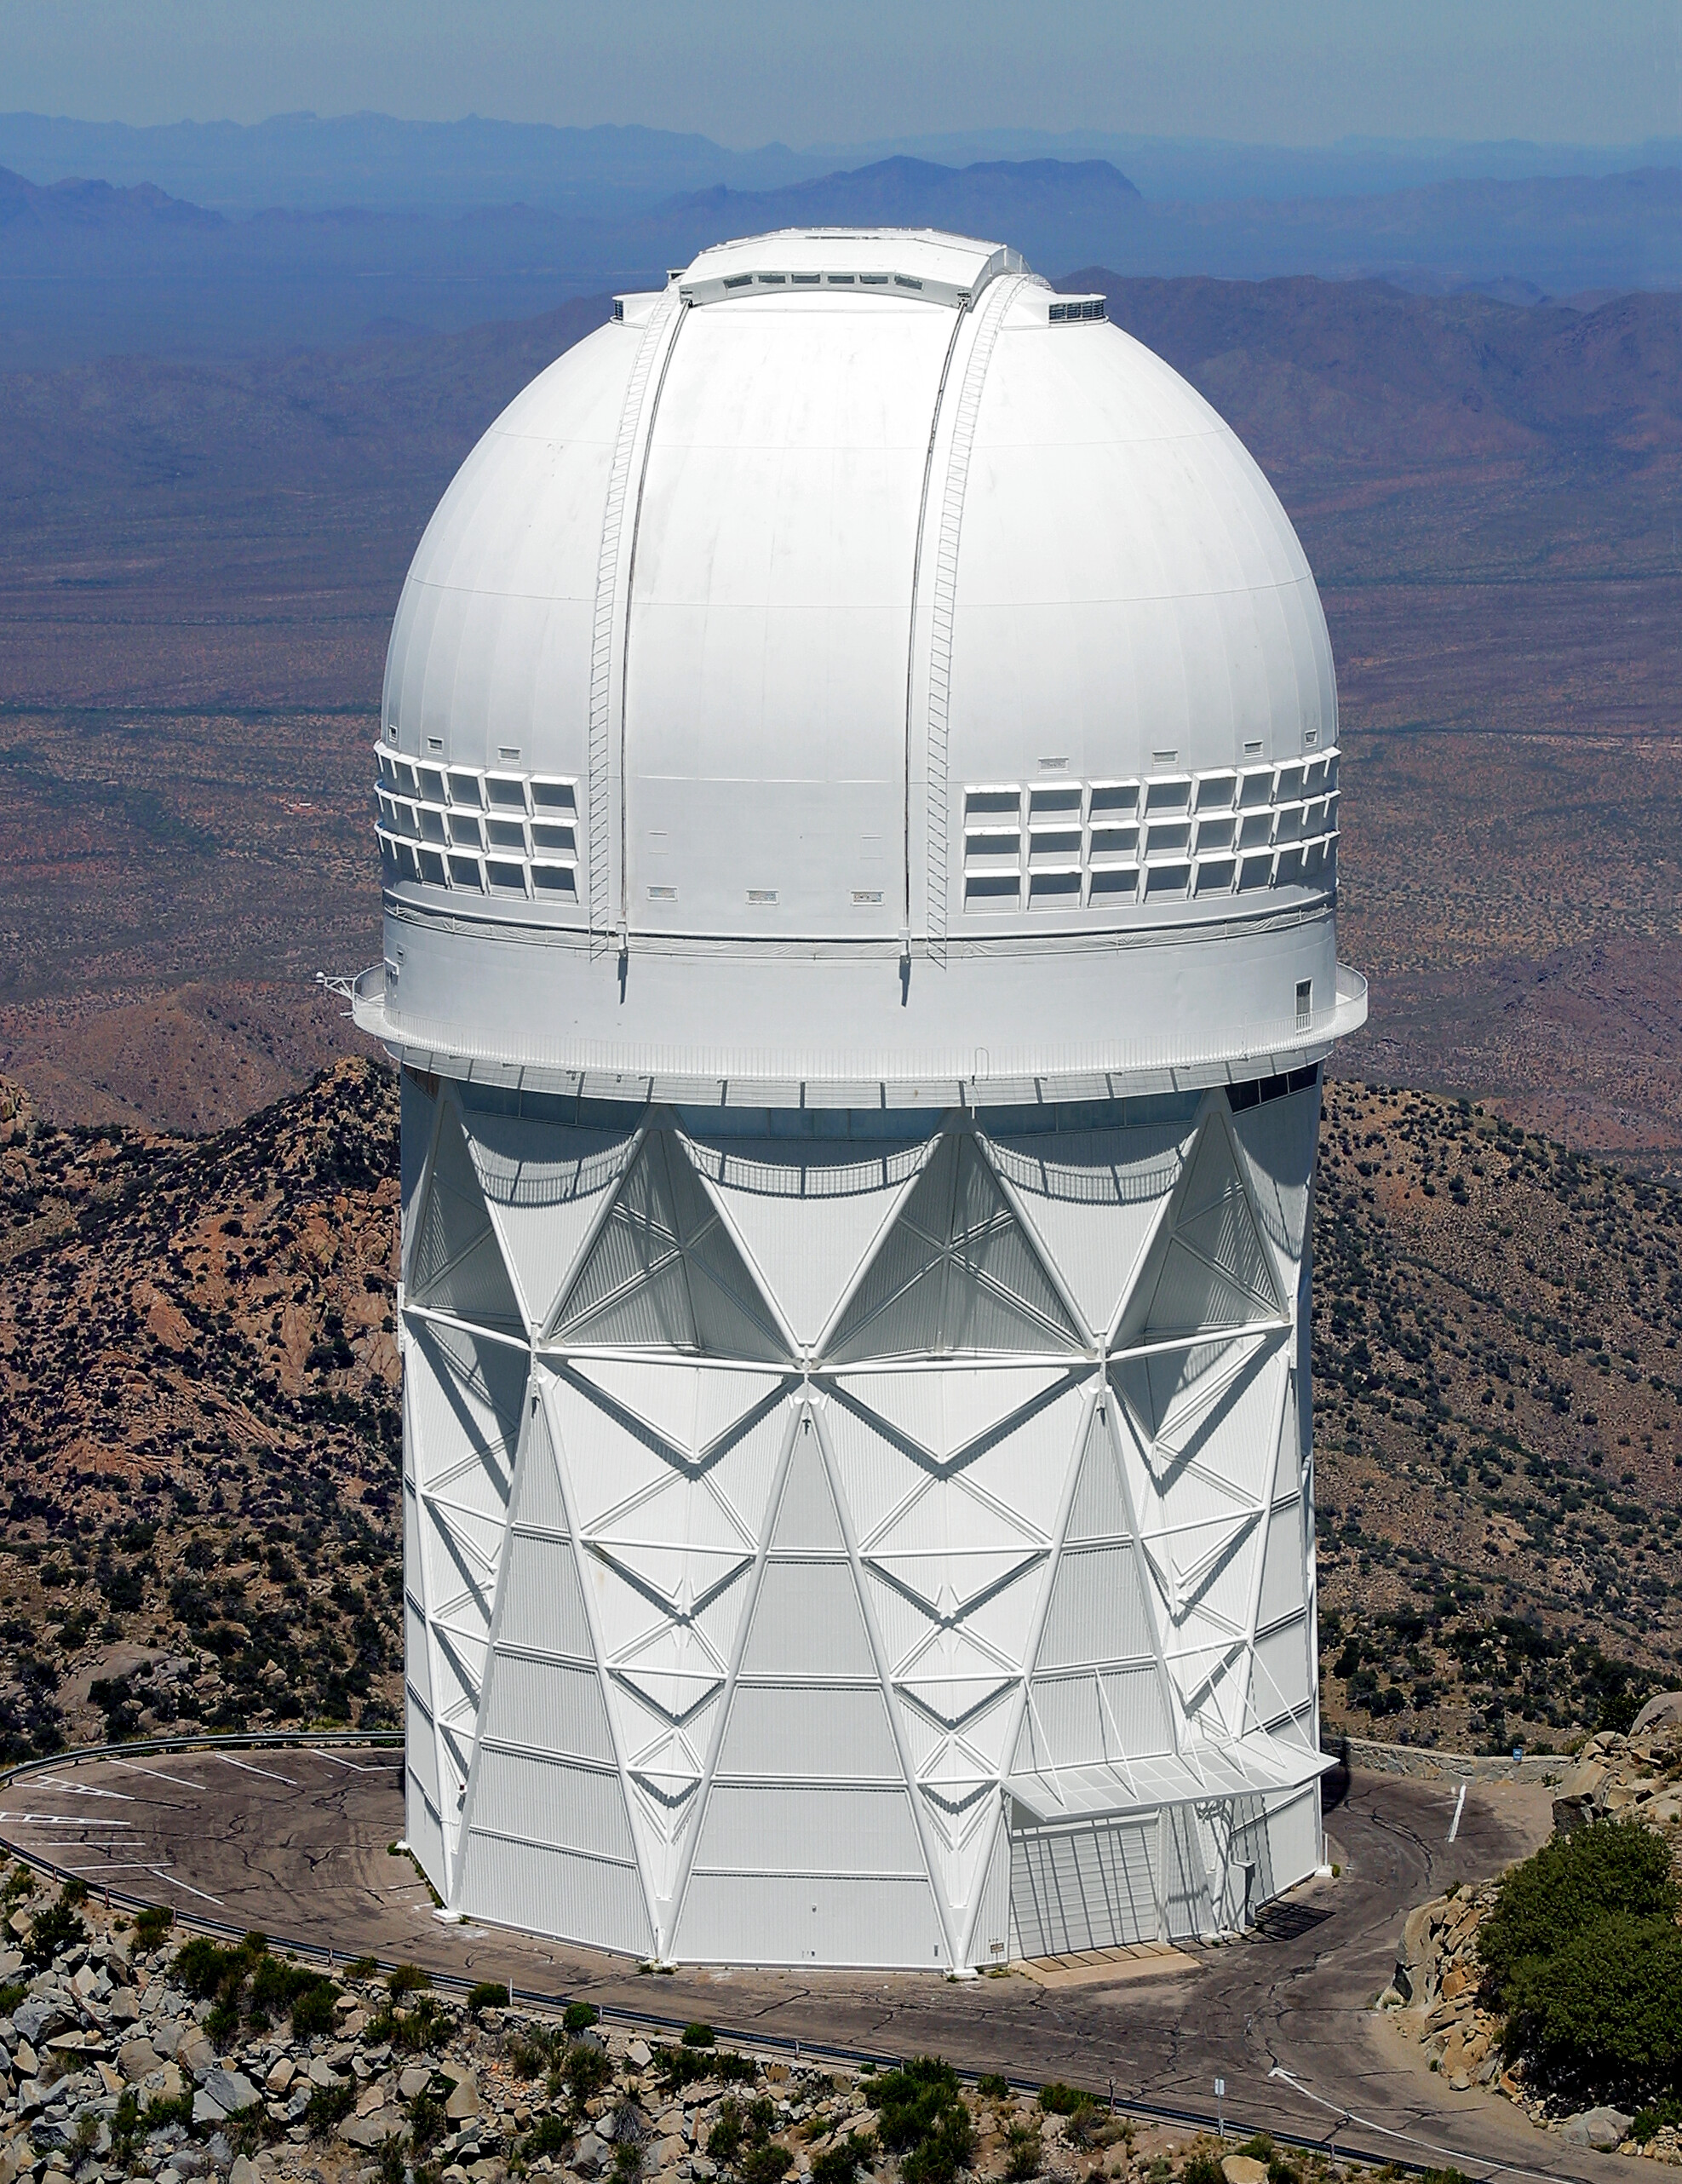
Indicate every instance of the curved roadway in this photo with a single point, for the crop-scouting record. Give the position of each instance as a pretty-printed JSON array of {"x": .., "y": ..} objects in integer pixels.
[{"x": 295, "y": 1841}]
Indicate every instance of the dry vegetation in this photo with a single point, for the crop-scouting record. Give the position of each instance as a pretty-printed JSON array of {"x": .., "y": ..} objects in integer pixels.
[
  {"x": 1497, "y": 1421},
  {"x": 198, "y": 1421}
]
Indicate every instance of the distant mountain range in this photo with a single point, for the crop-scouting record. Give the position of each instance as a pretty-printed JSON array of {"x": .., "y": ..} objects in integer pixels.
[
  {"x": 306, "y": 163},
  {"x": 92, "y": 267}
]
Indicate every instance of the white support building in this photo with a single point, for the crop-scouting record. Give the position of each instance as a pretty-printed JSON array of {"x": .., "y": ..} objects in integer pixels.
[{"x": 857, "y": 792}]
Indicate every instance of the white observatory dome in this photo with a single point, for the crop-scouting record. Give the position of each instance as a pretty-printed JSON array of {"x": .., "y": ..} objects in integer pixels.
[
  {"x": 858, "y": 601},
  {"x": 857, "y": 788}
]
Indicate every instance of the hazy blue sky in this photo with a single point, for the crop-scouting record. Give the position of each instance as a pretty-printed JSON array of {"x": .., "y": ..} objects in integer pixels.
[{"x": 806, "y": 70}]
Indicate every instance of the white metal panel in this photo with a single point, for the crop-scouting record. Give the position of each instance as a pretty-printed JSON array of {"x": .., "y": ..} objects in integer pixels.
[
  {"x": 1293, "y": 1838},
  {"x": 807, "y": 1622},
  {"x": 454, "y": 1262},
  {"x": 547, "y": 1706},
  {"x": 1278, "y": 1141},
  {"x": 764, "y": 1827},
  {"x": 809, "y": 1918},
  {"x": 1284, "y": 1569},
  {"x": 416, "y": 1111},
  {"x": 537, "y": 1888},
  {"x": 807, "y": 1215},
  {"x": 1282, "y": 1683},
  {"x": 784, "y": 1731},
  {"x": 1093, "y": 1198},
  {"x": 543, "y": 1610},
  {"x": 547, "y": 1186}
]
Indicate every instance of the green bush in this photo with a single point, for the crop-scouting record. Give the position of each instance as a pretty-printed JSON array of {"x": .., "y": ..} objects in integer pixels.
[
  {"x": 1602, "y": 2016},
  {"x": 724, "y": 2141},
  {"x": 152, "y": 1924},
  {"x": 922, "y": 2117},
  {"x": 551, "y": 2135},
  {"x": 330, "y": 2105},
  {"x": 1585, "y": 1958},
  {"x": 699, "y": 2036},
  {"x": 57, "y": 1928},
  {"x": 1202, "y": 2168},
  {"x": 1615, "y": 1865},
  {"x": 1060, "y": 2099},
  {"x": 991, "y": 2087},
  {"x": 841, "y": 2162},
  {"x": 1022, "y": 2150},
  {"x": 580, "y": 2016},
  {"x": 587, "y": 2071},
  {"x": 764, "y": 2165},
  {"x": 406, "y": 1979},
  {"x": 487, "y": 1994},
  {"x": 312, "y": 2008}
]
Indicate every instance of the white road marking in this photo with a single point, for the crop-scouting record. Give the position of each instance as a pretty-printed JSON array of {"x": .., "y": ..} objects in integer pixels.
[
  {"x": 1460, "y": 1806},
  {"x": 80, "y": 1788},
  {"x": 126, "y": 1865},
  {"x": 378, "y": 1766},
  {"x": 156, "y": 1774},
  {"x": 159, "y": 1873},
  {"x": 1493, "y": 2163},
  {"x": 60, "y": 1820},
  {"x": 246, "y": 1768}
]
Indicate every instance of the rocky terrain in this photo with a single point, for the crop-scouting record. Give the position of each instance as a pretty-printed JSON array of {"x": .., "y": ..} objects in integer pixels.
[
  {"x": 200, "y": 1424},
  {"x": 1498, "y": 1423},
  {"x": 198, "y": 1421},
  {"x": 123, "y": 2053},
  {"x": 1441, "y": 1993}
]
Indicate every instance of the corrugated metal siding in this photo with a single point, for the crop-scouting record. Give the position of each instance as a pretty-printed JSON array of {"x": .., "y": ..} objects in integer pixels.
[
  {"x": 1185, "y": 1889},
  {"x": 1277, "y": 1138},
  {"x": 760, "y": 1827},
  {"x": 782, "y": 1730},
  {"x": 546, "y": 1185},
  {"x": 548, "y": 1706},
  {"x": 807, "y": 1623},
  {"x": 544, "y": 1604},
  {"x": 544, "y": 1800},
  {"x": 416, "y": 1112},
  {"x": 1293, "y": 1838},
  {"x": 794, "y": 1919},
  {"x": 540, "y": 1890},
  {"x": 1284, "y": 1568},
  {"x": 1282, "y": 1663},
  {"x": 1082, "y": 1887},
  {"x": 1098, "y": 1610}
]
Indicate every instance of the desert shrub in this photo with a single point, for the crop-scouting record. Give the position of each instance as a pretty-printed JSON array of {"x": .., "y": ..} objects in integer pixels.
[
  {"x": 1022, "y": 2150},
  {"x": 580, "y": 2016},
  {"x": 1615, "y": 1865},
  {"x": 1060, "y": 2099},
  {"x": 699, "y": 2036},
  {"x": 920, "y": 2116},
  {"x": 330, "y": 2105},
  {"x": 991, "y": 2087},
  {"x": 678, "y": 2067},
  {"x": 551, "y": 2135},
  {"x": 841, "y": 2162},
  {"x": 406, "y": 1979},
  {"x": 1202, "y": 2168},
  {"x": 1663, "y": 2115},
  {"x": 152, "y": 1924},
  {"x": 1602, "y": 2015},
  {"x": 1585, "y": 1957},
  {"x": 56, "y": 1928},
  {"x": 764, "y": 2165},
  {"x": 362, "y": 1968},
  {"x": 486, "y": 1994},
  {"x": 588, "y": 2070},
  {"x": 428, "y": 2120},
  {"x": 312, "y": 2007},
  {"x": 724, "y": 2142}
]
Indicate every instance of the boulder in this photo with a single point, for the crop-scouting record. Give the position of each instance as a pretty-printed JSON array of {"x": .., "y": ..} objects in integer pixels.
[
  {"x": 1601, "y": 2128},
  {"x": 463, "y": 2100},
  {"x": 232, "y": 2091},
  {"x": 1243, "y": 2169},
  {"x": 1662, "y": 1711},
  {"x": 38, "y": 2016},
  {"x": 322, "y": 2073},
  {"x": 588, "y": 2155},
  {"x": 125, "y": 2009},
  {"x": 639, "y": 2055},
  {"x": 413, "y": 2080},
  {"x": 243, "y": 2171},
  {"x": 281, "y": 2075},
  {"x": 195, "y": 2054},
  {"x": 138, "y": 2059},
  {"x": 371, "y": 2131}
]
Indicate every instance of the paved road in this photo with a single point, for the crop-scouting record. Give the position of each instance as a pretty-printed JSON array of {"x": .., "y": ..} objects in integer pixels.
[{"x": 295, "y": 1841}]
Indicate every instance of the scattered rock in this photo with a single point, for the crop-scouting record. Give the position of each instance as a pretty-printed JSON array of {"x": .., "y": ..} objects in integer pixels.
[
  {"x": 1243, "y": 2169},
  {"x": 1601, "y": 2128},
  {"x": 463, "y": 2099}
]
